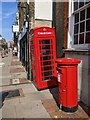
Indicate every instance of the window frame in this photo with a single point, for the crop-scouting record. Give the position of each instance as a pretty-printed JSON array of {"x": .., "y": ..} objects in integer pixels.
[{"x": 71, "y": 29}]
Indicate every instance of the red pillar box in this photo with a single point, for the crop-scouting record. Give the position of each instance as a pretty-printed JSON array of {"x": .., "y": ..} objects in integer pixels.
[{"x": 67, "y": 81}]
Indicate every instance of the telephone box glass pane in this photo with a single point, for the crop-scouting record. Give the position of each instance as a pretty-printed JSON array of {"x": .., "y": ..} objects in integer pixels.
[
  {"x": 47, "y": 63},
  {"x": 46, "y": 42},
  {"x": 48, "y": 68},
  {"x": 47, "y": 57},
  {"x": 47, "y": 73},
  {"x": 46, "y": 52},
  {"x": 46, "y": 47}
]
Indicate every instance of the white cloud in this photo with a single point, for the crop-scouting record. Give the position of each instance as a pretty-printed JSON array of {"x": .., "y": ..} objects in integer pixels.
[
  {"x": 6, "y": 15},
  {"x": 9, "y": 14}
]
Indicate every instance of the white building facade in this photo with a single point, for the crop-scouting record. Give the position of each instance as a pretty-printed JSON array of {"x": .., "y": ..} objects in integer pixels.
[{"x": 43, "y": 13}]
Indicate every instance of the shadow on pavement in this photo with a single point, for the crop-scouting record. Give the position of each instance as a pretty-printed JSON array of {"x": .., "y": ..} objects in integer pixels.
[
  {"x": 54, "y": 92},
  {"x": 3, "y": 95}
]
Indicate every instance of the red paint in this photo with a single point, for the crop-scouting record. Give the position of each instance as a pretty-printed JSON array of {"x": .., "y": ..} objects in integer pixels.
[
  {"x": 68, "y": 90},
  {"x": 43, "y": 56}
]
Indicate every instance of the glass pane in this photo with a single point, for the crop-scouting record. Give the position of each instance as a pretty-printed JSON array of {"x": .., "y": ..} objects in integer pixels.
[
  {"x": 47, "y": 57},
  {"x": 88, "y": 12},
  {"x": 81, "y": 39},
  {"x": 48, "y": 73},
  {"x": 76, "y": 17},
  {"x": 81, "y": 3},
  {"x": 75, "y": 6},
  {"x": 88, "y": 25},
  {"x": 46, "y": 52},
  {"x": 75, "y": 28},
  {"x": 87, "y": 37},
  {"x": 82, "y": 15},
  {"x": 48, "y": 68},
  {"x": 47, "y": 63},
  {"x": 45, "y": 41},
  {"x": 87, "y": 1},
  {"x": 75, "y": 39},
  {"x": 46, "y": 47},
  {"x": 82, "y": 26}
]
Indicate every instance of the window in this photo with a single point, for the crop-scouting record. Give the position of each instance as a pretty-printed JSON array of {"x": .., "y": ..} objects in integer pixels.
[{"x": 81, "y": 13}]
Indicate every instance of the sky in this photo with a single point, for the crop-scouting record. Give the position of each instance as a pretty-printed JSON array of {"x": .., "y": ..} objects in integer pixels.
[{"x": 7, "y": 19}]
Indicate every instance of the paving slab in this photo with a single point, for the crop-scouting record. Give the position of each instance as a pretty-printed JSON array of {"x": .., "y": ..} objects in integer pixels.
[
  {"x": 5, "y": 76},
  {"x": 15, "y": 63},
  {"x": 19, "y": 75},
  {"x": 17, "y": 70},
  {"x": 4, "y": 88},
  {"x": 9, "y": 111},
  {"x": 19, "y": 81},
  {"x": 5, "y": 82},
  {"x": 1, "y": 63},
  {"x": 27, "y": 88},
  {"x": 16, "y": 66},
  {"x": 1, "y": 89},
  {"x": 12, "y": 101},
  {"x": 47, "y": 93},
  {"x": 0, "y": 114},
  {"x": 0, "y": 81},
  {"x": 34, "y": 96},
  {"x": 14, "y": 57},
  {"x": 33, "y": 110}
]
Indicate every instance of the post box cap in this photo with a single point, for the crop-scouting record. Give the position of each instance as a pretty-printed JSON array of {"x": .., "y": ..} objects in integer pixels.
[{"x": 67, "y": 61}]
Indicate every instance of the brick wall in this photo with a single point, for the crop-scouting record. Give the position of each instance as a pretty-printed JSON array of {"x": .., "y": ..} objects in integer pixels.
[
  {"x": 31, "y": 14},
  {"x": 59, "y": 22},
  {"x": 22, "y": 13}
]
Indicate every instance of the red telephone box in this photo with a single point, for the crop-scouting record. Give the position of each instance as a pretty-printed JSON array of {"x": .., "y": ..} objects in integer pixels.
[{"x": 43, "y": 55}]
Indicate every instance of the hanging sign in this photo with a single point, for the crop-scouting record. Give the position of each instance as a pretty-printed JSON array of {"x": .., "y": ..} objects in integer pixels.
[{"x": 15, "y": 28}]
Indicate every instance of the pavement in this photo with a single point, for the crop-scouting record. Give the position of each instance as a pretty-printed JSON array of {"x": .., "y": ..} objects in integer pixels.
[{"x": 28, "y": 102}]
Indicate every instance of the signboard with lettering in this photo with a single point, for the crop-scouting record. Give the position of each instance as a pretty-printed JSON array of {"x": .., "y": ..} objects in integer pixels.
[
  {"x": 15, "y": 28},
  {"x": 44, "y": 33}
]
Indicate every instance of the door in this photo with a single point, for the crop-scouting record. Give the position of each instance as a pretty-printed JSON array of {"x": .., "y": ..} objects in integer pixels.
[{"x": 46, "y": 59}]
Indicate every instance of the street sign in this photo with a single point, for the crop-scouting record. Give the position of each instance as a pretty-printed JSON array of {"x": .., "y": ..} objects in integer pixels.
[{"x": 15, "y": 28}]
